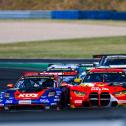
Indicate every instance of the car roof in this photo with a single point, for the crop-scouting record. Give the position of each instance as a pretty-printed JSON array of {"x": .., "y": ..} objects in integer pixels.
[{"x": 99, "y": 70}]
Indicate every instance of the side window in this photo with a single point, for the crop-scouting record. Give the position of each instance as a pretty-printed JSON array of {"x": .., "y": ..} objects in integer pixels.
[
  {"x": 20, "y": 84},
  {"x": 105, "y": 61},
  {"x": 59, "y": 81},
  {"x": 102, "y": 60},
  {"x": 55, "y": 85}
]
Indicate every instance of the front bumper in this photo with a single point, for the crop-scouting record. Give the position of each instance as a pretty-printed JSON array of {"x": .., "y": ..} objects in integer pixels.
[
  {"x": 94, "y": 101},
  {"x": 30, "y": 104}
]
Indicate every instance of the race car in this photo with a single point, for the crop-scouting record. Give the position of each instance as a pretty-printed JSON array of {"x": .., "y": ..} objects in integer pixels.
[
  {"x": 67, "y": 72},
  {"x": 34, "y": 90},
  {"x": 101, "y": 87},
  {"x": 111, "y": 61}
]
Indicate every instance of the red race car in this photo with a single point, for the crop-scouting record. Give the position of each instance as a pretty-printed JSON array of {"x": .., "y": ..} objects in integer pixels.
[{"x": 100, "y": 88}]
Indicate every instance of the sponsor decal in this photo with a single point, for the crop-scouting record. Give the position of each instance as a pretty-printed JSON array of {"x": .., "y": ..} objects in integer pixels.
[
  {"x": 11, "y": 98},
  {"x": 24, "y": 102},
  {"x": 44, "y": 100},
  {"x": 56, "y": 96},
  {"x": 41, "y": 77},
  {"x": 53, "y": 73},
  {"x": 43, "y": 96},
  {"x": 8, "y": 101},
  {"x": 28, "y": 95},
  {"x": 51, "y": 94},
  {"x": 56, "y": 100},
  {"x": 78, "y": 101},
  {"x": 61, "y": 69},
  {"x": 97, "y": 88},
  {"x": 53, "y": 103}
]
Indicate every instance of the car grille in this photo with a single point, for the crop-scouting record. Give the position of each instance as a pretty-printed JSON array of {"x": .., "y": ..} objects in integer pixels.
[
  {"x": 94, "y": 99},
  {"x": 102, "y": 99}
]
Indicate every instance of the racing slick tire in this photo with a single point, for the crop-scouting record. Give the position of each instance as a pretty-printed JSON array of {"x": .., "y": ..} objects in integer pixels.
[{"x": 65, "y": 98}]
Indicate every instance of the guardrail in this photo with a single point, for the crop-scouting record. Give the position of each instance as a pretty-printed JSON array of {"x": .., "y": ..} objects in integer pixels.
[
  {"x": 92, "y": 14},
  {"x": 66, "y": 14},
  {"x": 63, "y": 14},
  {"x": 25, "y": 14}
]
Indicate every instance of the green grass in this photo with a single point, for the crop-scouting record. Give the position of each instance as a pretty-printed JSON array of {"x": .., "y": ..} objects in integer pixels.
[
  {"x": 117, "y": 5},
  {"x": 76, "y": 48}
]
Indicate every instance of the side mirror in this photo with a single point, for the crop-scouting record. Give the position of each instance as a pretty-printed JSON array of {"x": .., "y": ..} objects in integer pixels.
[
  {"x": 77, "y": 80},
  {"x": 95, "y": 64},
  {"x": 10, "y": 85}
]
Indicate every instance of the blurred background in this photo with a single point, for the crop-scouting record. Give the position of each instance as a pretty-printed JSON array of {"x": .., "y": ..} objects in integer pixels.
[{"x": 115, "y": 5}]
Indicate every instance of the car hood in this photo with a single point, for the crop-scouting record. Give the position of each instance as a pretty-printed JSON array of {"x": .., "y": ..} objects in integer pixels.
[
  {"x": 19, "y": 95},
  {"x": 98, "y": 87}
]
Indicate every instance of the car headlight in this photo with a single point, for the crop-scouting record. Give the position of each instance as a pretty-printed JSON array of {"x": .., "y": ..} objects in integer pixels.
[
  {"x": 120, "y": 93},
  {"x": 78, "y": 93},
  {"x": 7, "y": 95}
]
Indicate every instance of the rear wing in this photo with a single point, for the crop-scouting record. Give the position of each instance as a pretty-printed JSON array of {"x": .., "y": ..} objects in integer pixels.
[
  {"x": 30, "y": 73},
  {"x": 86, "y": 65},
  {"x": 37, "y": 74},
  {"x": 62, "y": 73}
]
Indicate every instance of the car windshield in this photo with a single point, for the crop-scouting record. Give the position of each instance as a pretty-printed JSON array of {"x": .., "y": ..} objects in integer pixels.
[
  {"x": 34, "y": 83},
  {"x": 113, "y": 61},
  {"x": 105, "y": 77}
]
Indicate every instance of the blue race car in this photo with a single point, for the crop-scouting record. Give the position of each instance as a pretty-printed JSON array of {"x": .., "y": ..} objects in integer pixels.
[{"x": 32, "y": 91}]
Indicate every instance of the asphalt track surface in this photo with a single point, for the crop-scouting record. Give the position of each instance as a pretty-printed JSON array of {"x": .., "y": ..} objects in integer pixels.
[
  {"x": 18, "y": 31},
  {"x": 84, "y": 117}
]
